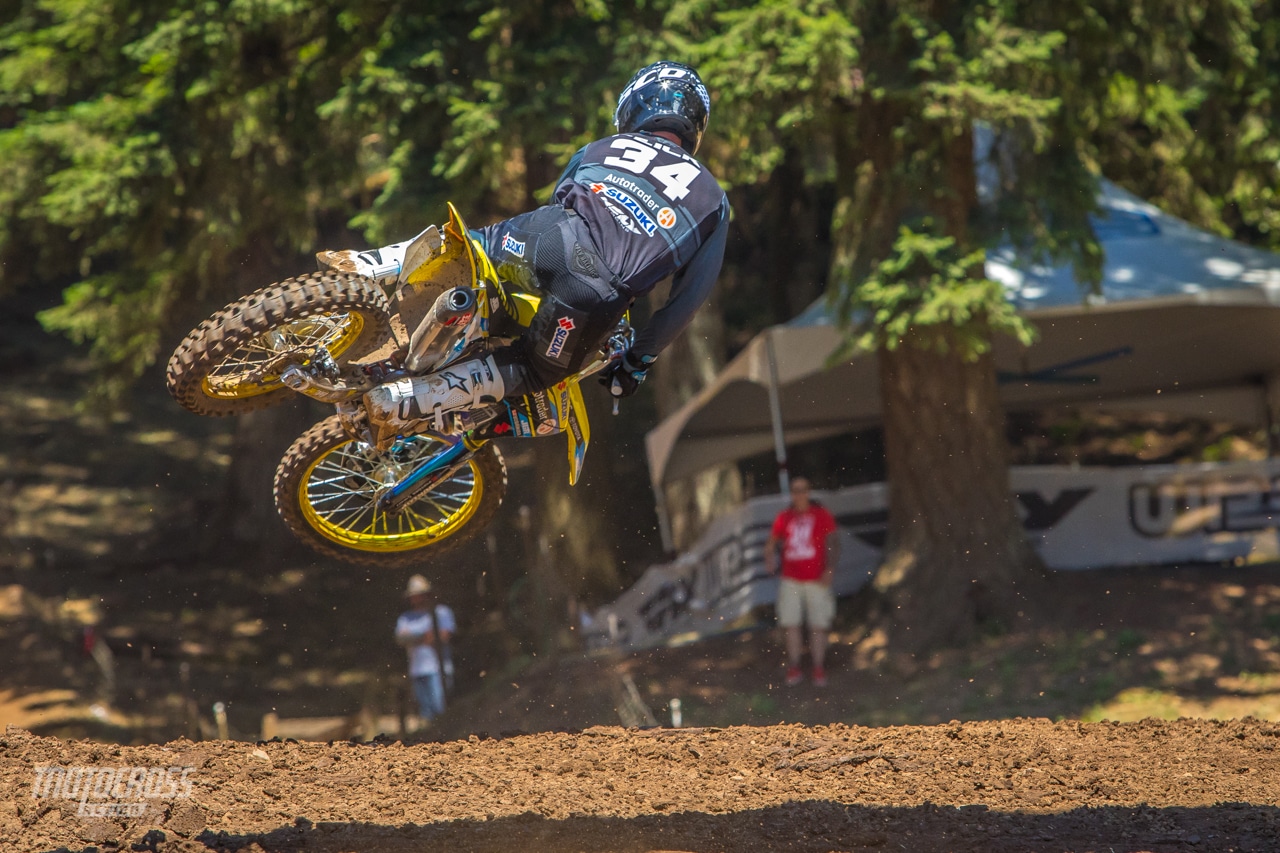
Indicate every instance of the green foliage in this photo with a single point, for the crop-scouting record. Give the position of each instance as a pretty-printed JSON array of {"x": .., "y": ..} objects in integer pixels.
[
  {"x": 167, "y": 146},
  {"x": 1174, "y": 100},
  {"x": 1191, "y": 125},
  {"x": 884, "y": 98},
  {"x": 159, "y": 154},
  {"x": 779, "y": 72},
  {"x": 121, "y": 322},
  {"x": 156, "y": 152},
  {"x": 1128, "y": 641},
  {"x": 924, "y": 286}
]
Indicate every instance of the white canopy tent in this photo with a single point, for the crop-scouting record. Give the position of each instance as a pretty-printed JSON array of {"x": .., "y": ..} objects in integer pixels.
[{"x": 1186, "y": 322}]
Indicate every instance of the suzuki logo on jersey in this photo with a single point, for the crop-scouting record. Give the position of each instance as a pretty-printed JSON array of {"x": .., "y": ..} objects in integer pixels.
[
  {"x": 512, "y": 246},
  {"x": 644, "y": 220},
  {"x": 563, "y": 327},
  {"x": 666, "y": 217}
]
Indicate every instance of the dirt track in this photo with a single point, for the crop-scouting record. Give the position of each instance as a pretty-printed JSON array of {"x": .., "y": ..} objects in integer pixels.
[{"x": 1016, "y": 785}]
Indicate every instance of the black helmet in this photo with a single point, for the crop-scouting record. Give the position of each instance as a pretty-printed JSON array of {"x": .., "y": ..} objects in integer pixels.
[{"x": 665, "y": 96}]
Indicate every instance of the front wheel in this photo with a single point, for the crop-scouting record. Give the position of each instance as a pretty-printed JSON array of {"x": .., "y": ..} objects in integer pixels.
[
  {"x": 230, "y": 364},
  {"x": 327, "y": 487}
]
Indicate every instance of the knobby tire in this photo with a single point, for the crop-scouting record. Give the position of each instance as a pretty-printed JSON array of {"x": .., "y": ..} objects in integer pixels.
[{"x": 240, "y": 327}]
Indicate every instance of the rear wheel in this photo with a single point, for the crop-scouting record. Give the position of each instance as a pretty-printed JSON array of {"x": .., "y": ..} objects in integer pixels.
[
  {"x": 230, "y": 364},
  {"x": 327, "y": 487}
]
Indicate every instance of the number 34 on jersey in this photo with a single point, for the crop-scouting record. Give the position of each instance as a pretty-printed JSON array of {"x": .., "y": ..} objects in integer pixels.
[{"x": 672, "y": 179}]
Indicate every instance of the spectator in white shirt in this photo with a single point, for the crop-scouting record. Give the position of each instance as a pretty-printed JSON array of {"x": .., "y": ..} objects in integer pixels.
[{"x": 425, "y": 630}]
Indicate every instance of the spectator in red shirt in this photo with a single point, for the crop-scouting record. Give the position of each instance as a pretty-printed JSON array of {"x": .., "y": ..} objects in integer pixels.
[{"x": 806, "y": 531}]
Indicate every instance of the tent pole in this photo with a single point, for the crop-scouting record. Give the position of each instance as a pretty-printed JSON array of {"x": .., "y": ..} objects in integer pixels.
[
  {"x": 1271, "y": 395},
  {"x": 775, "y": 415},
  {"x": 664, "y": 519}
]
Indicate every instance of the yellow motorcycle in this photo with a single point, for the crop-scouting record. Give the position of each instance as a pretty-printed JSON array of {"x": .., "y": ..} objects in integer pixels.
[{"x": 334, "y": 336}]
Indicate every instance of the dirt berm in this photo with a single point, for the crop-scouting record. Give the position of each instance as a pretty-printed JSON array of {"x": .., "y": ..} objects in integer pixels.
[{"x": 1015, "y": 785}]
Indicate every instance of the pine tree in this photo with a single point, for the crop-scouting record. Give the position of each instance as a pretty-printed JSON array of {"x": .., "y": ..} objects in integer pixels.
[{"x": 886, "y": 96}]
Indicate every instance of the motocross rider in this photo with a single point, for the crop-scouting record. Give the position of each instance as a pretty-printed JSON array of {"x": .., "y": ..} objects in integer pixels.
[{"x": 629, "y": 210}]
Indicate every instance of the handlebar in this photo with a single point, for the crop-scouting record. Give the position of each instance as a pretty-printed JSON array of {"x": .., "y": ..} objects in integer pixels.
[{"x": 613, "y": 350}]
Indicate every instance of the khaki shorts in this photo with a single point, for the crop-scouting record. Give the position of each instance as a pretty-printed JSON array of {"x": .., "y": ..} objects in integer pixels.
[{"x": 798, "y": 598}]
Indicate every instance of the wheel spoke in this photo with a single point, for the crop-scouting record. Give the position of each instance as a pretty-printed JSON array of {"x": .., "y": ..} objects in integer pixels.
[
  {"x": 302, "y": 335},
  {"x": 344, "y": 486}
]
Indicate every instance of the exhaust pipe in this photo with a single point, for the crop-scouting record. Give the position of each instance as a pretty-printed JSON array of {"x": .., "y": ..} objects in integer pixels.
[{"x": 441, "y": 329}]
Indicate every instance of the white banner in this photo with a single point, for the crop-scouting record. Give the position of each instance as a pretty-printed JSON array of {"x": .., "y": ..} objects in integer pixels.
[{"x": 1077, "y": 518}]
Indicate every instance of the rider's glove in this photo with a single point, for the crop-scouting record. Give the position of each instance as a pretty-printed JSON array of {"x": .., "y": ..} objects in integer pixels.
[{"x": 624, "y": 376}]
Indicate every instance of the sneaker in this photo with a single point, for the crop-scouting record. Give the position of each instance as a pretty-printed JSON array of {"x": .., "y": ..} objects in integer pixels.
[
  {"x": 819, "y": 677},
  {"x": 794, "y": 676}
]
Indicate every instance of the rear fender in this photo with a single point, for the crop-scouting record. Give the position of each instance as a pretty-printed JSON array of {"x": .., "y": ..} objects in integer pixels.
[
  {"x": 458, "y": 262},
  {"x": 576, "y": 425}
]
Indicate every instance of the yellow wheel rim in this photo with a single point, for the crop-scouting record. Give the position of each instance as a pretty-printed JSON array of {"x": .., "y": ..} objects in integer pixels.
[
  {"x": 240, "y": 375},
  {"x": 339, "y": 491}
]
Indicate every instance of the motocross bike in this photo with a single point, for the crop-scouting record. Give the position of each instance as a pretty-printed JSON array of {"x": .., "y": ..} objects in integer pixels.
[{"x": 332, "y": 337}]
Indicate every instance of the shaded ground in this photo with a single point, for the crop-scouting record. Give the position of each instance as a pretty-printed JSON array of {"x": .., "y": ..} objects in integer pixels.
[
  {"x": 1202, "y": 641},
  {"x": 307, "y": 643},
  {"x": 1017, "y": 785}
]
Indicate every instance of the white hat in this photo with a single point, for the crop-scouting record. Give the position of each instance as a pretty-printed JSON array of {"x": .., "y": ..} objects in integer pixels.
[{"x": 418, "y": 585}]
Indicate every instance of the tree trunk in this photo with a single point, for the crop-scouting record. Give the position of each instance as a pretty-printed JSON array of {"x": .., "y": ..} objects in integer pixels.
[
  {"x": 957, "y": 556},
  {"x": 248, "y": 519},
  {"x": 689, "y": 365},
  {"x": 583, "y": 543}
]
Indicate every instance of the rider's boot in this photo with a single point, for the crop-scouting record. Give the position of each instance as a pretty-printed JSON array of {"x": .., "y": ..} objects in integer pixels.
[
  {"x": 383, "y": 264},
  {"x": 395, "y": 406}
]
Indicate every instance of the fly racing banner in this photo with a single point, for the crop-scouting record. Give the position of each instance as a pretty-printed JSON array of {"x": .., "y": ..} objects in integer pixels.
[{"x": 1077, "y": 518}]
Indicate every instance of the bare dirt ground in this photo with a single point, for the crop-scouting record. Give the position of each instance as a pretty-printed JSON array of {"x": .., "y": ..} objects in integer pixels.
[{"x": 1014, "y": 785}]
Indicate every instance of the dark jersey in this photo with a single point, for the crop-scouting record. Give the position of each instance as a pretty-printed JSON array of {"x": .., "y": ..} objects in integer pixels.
[{"x": 653, "y": 211}]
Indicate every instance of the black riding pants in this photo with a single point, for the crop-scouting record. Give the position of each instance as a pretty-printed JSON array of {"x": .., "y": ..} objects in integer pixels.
[{"x": 549, "y": 252}]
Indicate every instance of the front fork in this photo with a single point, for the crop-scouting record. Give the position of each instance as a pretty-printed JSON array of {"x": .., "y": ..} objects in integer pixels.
[{"x": 438, "y": 468}]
